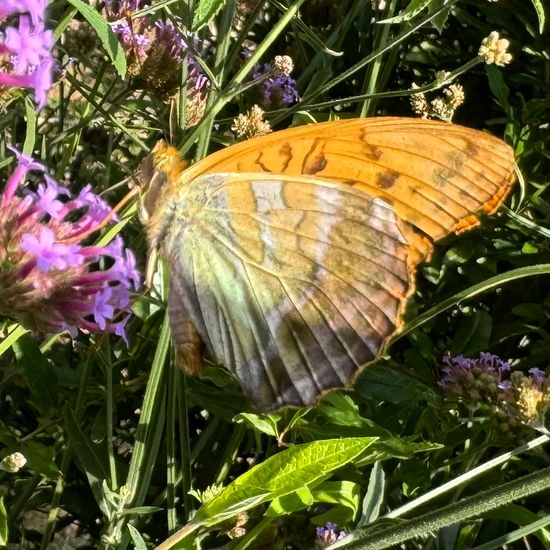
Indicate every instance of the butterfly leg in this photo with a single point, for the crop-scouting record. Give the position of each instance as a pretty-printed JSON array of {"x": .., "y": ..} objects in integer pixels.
[{"x": 187, "y": 342}]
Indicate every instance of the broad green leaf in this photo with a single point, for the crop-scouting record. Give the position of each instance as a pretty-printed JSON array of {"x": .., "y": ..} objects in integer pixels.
[
  {"x": 92, "y": 458},
  {"x": 282, "y": 474},
  {"x": 139, "y": 543},
  {"x": 205, "y": 11},
  {"x": 3, "y": 523},
  {"x": 39, "y": 374},
  {"x": 343, "y": 493},
  {"x": 106, "y": 35},
  {"x": 40, "y": 458},
  {"x": 386, "y": 383},
  {"x": 341, "y": 409},
  {"x": 473, "y": 333},
  {"x": 294, "y": 502},
  {"x": 265, "y": 423}
]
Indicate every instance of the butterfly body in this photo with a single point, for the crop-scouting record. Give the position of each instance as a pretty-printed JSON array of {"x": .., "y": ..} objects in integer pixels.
[{"x": 292, "y": 256}]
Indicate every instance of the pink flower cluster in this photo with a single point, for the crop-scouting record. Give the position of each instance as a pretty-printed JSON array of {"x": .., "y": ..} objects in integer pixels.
[
  {"x": 26, "y": 50},
  {"x": 50, "y": 278}
]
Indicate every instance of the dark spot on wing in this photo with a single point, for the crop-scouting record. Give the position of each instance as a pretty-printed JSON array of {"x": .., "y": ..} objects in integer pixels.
[
  {"x": 319, "y": 163},
  {"x": 315, "y": 160},
  {"x": 285, "y": 151},
  {"x": 372, "y": 152},
  {"x": 471, "y": 149},
  {"x": 387, "y": 179}
]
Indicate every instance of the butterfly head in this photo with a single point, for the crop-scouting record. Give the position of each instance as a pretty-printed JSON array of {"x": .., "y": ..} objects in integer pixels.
[
  {"x": 161, "y": 167},
  {"x": 158, "y": 172}
]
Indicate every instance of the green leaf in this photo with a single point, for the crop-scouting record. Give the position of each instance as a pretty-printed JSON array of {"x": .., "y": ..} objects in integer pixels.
[
  {"x": 282, "y": 474},
  {"x": 266, "y": 423},
  {"x": 139, "y": 543},
  {"x": 205, "y": 11},
  {"x": 39, "y": 373},
  {"x": 3, "y": 523},
  {"x": 12, "y": 334},
  {"x": 40, "y": 458},
  {"x": 106, "y": 35},
  {"x": 473, "y": 334},
  {"x": 141, "y": 510},
  {"x": 386, "y": 383},
  {"x": 343, "y": 493},
  {"x": 410, "y": 12},
  {"x": 92, "y": 458},
  {"x": 498, "y": 86},
  {"x": 539, "y": 8},
  {"x": 374, "y": 496},
  {"x": 294, "y": 502}
]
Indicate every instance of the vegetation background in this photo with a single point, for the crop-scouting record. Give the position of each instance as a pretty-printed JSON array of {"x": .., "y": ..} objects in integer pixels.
[{"x": 121, "y": 448}]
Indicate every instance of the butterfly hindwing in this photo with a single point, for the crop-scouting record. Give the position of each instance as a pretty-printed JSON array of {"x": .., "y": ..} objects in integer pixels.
[{"x": 294, "y": 284}]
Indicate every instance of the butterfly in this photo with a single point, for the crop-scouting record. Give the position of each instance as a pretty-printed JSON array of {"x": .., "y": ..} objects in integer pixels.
[{"x": 292, "y": 255}]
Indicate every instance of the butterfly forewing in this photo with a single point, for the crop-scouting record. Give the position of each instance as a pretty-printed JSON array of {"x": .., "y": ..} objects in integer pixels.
[
  {"x": 294, "y": 284},
  {"x": 435, "y": 174}
]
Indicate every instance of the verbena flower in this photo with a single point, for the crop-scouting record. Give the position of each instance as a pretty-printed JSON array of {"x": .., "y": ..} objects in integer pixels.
[
  {"x": 474, "y": 380},
  {"x": 277, "y": 88},
  {"x": 155, "y": 51},
  {"x": 51, "y": 279},
  {"x": 25, "y": 51},
  {"x": 518, "y": 398},
  {"x": 328, "y": 535}
]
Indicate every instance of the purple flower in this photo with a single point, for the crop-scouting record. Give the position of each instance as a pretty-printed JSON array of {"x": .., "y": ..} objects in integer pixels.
[
  {"x": 277, "y": 90},
  {"x": 475, "y": 381},
  {"x": 36, "y": 8},
  {"x": 27, "y": 49},
  {"x": 103, "y": 309},
  {"x": 51, "y": 278},
  {"x": 325, "y": 536},
  {"x": 538, "y": 377},
  {"x": 29, "y": 44},
  {"x": 460, "y": 367},
  {"x": 50, "y": 254},
  {"x": 46, "y": 197},
  {"x": 155, "y": 50}
]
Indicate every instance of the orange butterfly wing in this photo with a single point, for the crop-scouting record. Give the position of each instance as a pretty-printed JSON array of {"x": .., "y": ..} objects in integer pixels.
[{"x": 436, "y": 176}]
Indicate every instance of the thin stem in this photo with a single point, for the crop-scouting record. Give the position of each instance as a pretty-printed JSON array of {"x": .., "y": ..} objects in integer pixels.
[
  {"x": 463, "y": 510},
  {"x": 468, "y": 476}
]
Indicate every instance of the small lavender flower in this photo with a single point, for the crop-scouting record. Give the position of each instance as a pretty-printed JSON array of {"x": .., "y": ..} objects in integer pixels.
[
  {"x": 325, "y": 536},
  {"x": 155, "y": 51},
  {"x": 512, "y": 398},
  {"x": 474, "y": 380},
  {"x": 277, "y": 89},
  {"x": 50, "y": 278},
  {"x": 25, "y": 52}
]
